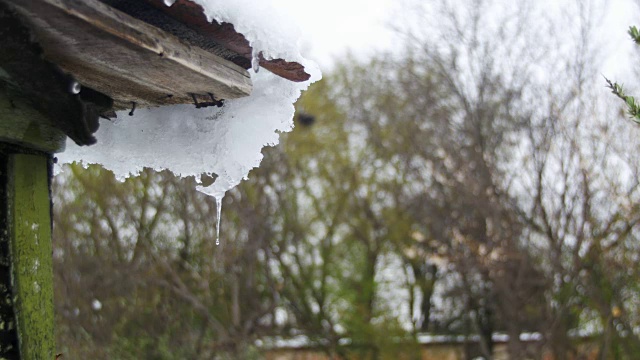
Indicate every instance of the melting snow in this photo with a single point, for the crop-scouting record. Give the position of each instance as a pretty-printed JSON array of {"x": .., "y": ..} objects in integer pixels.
[{"x": 226, "y": 142}]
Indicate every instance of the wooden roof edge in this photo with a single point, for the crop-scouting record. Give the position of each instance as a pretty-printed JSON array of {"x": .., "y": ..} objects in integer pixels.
[
  {"x": 192, "y": 15},
  {"x": 117, "y": 62}
]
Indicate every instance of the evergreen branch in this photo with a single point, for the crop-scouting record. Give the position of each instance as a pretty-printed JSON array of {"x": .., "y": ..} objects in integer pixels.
[
  {"x": 617, "y": 89},
  {"x": 635, "y": 34},
  {"x": 632, "y": 105}
]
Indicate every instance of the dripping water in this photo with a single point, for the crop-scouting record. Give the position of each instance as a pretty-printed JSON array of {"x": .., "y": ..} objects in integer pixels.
[
  {"x": 255, "y": 61},
  {"x": 75, "y": 87},
  {"x": 169, "y": 2}
]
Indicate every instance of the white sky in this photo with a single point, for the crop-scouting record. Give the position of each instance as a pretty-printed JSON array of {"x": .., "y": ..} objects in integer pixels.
[{"x": 331, "y": 27}]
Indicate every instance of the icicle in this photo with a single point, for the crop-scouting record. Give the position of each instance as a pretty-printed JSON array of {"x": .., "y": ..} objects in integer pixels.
[
  {"x": 255, "y": 61},
  {"x": 217, "y": 190},
  {"x": 218, "y": 215},
  {"x": 169, "y": 2}
]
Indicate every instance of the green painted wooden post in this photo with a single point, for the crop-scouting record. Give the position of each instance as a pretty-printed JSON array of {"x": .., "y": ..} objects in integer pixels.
[
  {"x": 32, "y": 269},
  {"x": 27, "y": 142}
]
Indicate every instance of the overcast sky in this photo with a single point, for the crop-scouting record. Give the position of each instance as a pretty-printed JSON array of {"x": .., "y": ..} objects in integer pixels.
[{"x": 330, "y": 27}]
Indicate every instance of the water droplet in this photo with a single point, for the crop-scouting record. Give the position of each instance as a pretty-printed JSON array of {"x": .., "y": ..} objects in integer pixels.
[
  {"x": 169, "y": 2},
  {"x": 255, "y": 61},
  {"x": 75, "y": 87}
]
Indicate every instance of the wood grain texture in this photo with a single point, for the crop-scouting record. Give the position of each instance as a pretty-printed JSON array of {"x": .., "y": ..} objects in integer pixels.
[
  {"x": 127, "y": 59},
  {"x": 30, "y": 82}
]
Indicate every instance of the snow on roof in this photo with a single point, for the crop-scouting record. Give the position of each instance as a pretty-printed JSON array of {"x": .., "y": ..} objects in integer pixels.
[
  {"x": 302, "y": 341},
  {"x": 186, "y": 20},
  {"x": 497, "y": 338},
  {"x": 278, "y": 342},
  {"x": 223, "y": 141}
]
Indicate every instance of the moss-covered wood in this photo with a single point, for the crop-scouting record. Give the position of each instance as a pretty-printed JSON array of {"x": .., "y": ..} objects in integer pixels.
[
  {"x": 29, "y": 215},
  {"x": 8, "y": 333},
  {"x": 27, "y": 140}
]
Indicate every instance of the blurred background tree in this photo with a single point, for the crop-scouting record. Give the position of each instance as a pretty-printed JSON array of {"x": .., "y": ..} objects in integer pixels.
[{"x": 478, "y": 182}]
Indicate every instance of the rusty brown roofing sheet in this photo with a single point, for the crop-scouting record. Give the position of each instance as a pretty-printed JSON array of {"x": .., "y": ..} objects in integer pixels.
[{"x": 192, "y": 15}]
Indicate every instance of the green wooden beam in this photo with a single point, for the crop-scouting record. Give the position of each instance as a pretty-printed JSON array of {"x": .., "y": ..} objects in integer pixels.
[
  {"x": 31, "y": 260},
  {"x": 9, "y": 348},
  {"x": 27, "y": 142}
]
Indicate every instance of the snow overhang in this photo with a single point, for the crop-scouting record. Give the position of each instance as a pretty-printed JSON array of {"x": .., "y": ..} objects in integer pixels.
[{"x": 176, "y": 56}]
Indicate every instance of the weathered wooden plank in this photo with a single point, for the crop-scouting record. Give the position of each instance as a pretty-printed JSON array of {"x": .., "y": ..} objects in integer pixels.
[
  {"x": 125, "y": 58},
  {"x": 31, "y": 260},
  {"x": 25, "y": 77}
]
